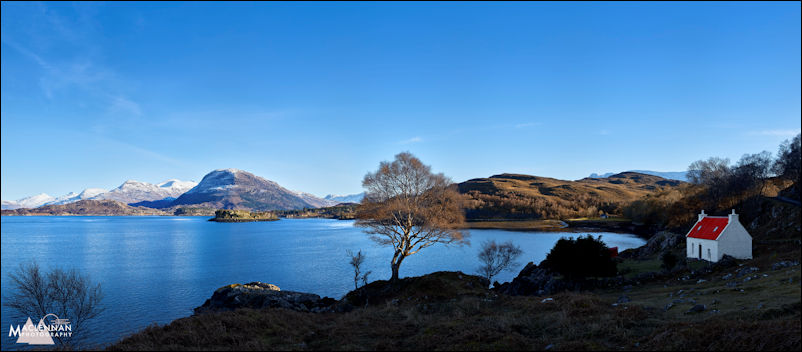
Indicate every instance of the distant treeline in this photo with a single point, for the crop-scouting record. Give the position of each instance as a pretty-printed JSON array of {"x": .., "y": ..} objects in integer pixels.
[
  {"x": 344, "y": 211},
  {"x": 512, "y": 206},
  {"x": 716, "y": 186}
]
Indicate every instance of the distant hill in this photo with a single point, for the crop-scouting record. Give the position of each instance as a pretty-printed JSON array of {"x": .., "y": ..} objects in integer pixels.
[
  {"x": 514, "y": 196},
  {"x": 237, "y": 189},
  {"x": 86, "y": 207},
  {"x": 671, "y": 175}
]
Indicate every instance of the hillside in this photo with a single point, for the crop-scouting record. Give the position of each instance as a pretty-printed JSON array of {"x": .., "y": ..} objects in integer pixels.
[
  {"x": 741, "y": 305},
  {"x": 513, "y": 196},
  {"x": 237, "y": 189},
  {"x": 87, "y": 207}
]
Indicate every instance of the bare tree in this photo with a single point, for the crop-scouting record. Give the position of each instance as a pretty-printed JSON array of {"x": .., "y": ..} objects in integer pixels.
[
  {"x": 715, "y": 174},
  {"x": 356, "y": 263},
  {"x": 68, "y": 294},
  {"x": 788, "y": 159},
  {"x": 408, "y": 207},
  {"x": 752, "y": 171},
  {"x": 709, "y": 172},
  {"x": 496, "y": 258}
]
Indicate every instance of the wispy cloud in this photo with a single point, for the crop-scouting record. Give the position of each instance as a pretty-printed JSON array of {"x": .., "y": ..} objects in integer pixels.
[
  {"x": 604, "y": 132},
  {"x": 78, "y": 65},
  {"x": 144, "y": 152},
  {"x": 120, "y": 104},
  {"x": 412, "y": 140},
  {"x": 527, "y": 124},
  {"x": 775, "y": 133}
]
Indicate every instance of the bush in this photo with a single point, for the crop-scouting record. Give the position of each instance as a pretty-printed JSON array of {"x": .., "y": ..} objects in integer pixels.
[
  {"x": 669, "y": 260},
  {"x": 580, "y": 258}
]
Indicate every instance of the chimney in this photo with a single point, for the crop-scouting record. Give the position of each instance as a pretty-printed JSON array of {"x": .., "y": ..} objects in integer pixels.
[
  {"x": 701, "y": 215},
  {"x": 733, "y": 216}
]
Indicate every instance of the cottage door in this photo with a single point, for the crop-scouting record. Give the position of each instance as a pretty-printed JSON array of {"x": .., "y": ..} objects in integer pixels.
[{"x": 700, "y": 251}]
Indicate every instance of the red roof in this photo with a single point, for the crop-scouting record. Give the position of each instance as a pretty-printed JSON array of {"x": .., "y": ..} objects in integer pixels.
[{"x": 709, "y": 228}]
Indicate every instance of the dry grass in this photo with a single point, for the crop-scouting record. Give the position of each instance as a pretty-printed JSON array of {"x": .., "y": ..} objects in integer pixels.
[{"x": 457, "y": 315}]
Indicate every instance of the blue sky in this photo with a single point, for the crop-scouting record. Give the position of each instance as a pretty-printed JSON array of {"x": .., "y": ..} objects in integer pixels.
[{"x": 314, "y": 95}]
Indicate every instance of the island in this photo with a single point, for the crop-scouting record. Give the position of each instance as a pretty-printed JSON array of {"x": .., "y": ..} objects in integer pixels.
[{"x": 227, "y": 215}]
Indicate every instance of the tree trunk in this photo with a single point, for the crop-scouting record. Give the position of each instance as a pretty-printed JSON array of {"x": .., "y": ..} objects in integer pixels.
[{"x": 395, "y": 265}]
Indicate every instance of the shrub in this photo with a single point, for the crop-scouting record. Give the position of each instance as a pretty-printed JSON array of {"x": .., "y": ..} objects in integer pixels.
[
  {"x": 669, "y": 260},
  {"x": 581, "y": 257}
]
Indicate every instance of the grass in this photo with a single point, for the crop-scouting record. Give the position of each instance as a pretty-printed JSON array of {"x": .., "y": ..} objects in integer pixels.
[{"x": 449, "y": 311}]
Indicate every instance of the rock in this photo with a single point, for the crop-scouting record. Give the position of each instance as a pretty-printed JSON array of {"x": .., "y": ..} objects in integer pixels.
[
  {"x": 533, "y": 280},
  {"x": 548, "y": 347},
  {"x": 624, "y": 299},
  {"x": 715, "y": 302},
  {"x": 732, "y": 284},
  {"x": 547, "y": 300},
  {"x": 726, "y": 261},
  {"x": 760, "y": 306},
  {"x": 678, "y": 301},
  {"x": 726, "y": 277},
  {"x": 668, "y": 306},
  {"x": 746, "y": 271},
  {"x": 258, "y": 295},
  {"x": 701, "y": 281},
  {"x": 697, "y": 308},
  {"x": 783, "y": 264},
  {"x": 661, "y": 241}
]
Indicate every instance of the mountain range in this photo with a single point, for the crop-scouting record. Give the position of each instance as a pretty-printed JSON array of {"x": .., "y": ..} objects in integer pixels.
[
  {"x": 223, "y": 188},
  {"x": 505, "y": 195},
  {"x": 129, "y": 192}
]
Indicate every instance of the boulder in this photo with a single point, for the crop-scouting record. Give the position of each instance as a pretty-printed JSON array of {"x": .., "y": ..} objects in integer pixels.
[
  {"x": 532, "y": 280},
  {"x": 746, "y": 271},
  {"x": 660, "y": 242},
  {"x": 697, "y": 308},
  {"x": 783, "y": 264},
  {"x": 258, "y": 295}
]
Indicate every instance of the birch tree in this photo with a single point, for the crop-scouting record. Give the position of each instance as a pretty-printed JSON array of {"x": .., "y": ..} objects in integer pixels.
[{"x": 409, "y": 208}]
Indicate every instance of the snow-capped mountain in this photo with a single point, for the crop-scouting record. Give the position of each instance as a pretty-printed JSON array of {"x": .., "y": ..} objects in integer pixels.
[
  {"x": 135, "y": 191},
  {"x": 72, "y": 197},
  {"x": 351, "y": 198},
  {"x": 314, "y": 200},
  {"x": 237, "y": 189},
  {"x": 28, "y": 202},
  {"x": 128, "y": 192}
]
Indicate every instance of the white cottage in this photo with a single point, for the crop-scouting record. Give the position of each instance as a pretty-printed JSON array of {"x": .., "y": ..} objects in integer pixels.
[{"x": 714, "y": 236}]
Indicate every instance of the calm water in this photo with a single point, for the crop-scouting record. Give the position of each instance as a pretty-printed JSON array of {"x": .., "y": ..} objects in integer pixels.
[{"x": 156, "y": 269}]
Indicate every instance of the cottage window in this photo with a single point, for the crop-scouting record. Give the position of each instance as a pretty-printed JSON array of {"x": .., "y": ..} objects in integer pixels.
[{"x": 708, "y": 254}]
